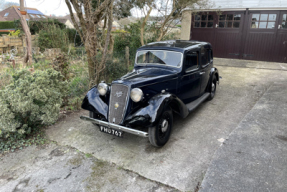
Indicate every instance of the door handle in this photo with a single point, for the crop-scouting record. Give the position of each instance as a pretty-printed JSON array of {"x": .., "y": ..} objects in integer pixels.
[{"x": 201, "y": 73}]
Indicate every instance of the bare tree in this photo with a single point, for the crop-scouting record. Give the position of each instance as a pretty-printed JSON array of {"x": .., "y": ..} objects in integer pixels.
[
  {"x": 5, "y": 5},
  {"x": 90, "y": 13},
  {"x": 169, "y": 13}
]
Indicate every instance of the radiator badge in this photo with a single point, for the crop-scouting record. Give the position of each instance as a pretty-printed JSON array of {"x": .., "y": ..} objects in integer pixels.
[{"x": 119, "y": 93}]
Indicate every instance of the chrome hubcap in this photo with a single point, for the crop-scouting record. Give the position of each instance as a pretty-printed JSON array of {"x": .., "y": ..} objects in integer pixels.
[
  {"x": 213, "y": 87},
  {"x": 164, "y": 125}
]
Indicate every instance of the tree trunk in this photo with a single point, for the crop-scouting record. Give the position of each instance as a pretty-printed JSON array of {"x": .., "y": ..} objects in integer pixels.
[
  {"x": 28, "y": 56},
  {"x": 87, "y": 28},
  {"x": 143, "y": 24}
]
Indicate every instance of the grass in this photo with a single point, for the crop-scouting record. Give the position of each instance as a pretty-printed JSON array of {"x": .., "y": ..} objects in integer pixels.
[{"x": 88, "y": 155}]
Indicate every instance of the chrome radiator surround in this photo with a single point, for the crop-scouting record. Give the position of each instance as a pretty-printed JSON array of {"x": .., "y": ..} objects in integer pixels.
[{"x": 119, "y": 95}]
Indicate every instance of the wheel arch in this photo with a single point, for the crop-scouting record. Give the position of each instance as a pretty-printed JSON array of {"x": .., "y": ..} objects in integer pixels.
[
  {"x": 213, "y": 73},
  {"x": 156, "y": 106}
]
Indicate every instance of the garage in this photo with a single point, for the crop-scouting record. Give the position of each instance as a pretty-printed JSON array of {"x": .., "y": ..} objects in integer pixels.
[{"x": 241, "y": 33}]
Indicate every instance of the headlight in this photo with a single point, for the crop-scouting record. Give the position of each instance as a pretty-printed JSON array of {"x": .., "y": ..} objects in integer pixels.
[
  {"x": 103, "y": 88},
  {"x": 136, "y": 94}
]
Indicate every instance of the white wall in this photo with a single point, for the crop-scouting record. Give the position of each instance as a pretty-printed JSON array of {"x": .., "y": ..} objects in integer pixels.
[{"x": 248, "y": 3}]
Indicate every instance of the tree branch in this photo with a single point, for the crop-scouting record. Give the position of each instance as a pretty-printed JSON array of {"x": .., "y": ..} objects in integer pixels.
[
  {"x": 144, "y": 23},
  {"x": 74, "y": 21}
]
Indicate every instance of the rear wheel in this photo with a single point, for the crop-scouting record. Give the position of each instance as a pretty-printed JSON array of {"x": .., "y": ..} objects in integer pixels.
[
  {"x": 159, "y": 135},
  {"x": 213, "y": 88}
]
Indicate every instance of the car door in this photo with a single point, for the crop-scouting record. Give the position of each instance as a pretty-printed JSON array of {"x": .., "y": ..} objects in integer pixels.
[
  {"x": 205, "y": 67},
  {"x": 189, "y": 81}
]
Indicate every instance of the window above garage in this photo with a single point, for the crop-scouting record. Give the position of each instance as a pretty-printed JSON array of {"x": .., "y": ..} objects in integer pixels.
[
  {"x": 229, "y": 21},
  {"x": 203, "y": 21},
  {"x": 263, "y": 21},
  {"x": 284, "y": 21}
]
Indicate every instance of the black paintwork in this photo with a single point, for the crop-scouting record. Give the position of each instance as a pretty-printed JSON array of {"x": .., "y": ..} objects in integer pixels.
[{"x": 162, "y": 86}]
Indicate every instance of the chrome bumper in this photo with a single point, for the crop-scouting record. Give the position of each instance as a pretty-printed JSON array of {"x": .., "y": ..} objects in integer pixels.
[{"x": 115, "y": 126}]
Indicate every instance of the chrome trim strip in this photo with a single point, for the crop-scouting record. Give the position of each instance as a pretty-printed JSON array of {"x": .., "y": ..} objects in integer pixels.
[
  {"x": 115, "y": 126},
  {"x": 127, "y": 99}
]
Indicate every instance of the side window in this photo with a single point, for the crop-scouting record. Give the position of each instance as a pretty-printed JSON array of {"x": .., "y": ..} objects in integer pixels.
[
  {"x": 204, "y": 56},
  {"x": 210, "y": 55},
  {"x": 191, "y": 61}
]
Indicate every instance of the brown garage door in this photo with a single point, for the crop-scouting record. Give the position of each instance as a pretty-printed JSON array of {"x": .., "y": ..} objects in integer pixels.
[
  {"x": 254, "y": 35},
  {"x": 281, "y": 41}
]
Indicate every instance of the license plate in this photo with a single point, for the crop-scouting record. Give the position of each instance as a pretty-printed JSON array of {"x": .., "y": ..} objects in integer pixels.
[{"x": 111, "y": 131}]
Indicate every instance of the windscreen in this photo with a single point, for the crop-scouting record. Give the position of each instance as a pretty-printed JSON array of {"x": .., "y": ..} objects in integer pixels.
[{"x": 169, "y": 58}]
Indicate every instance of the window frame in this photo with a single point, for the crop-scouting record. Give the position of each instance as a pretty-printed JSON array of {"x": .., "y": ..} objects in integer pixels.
[
  {"x": 144, "y": 64},
  {"x": 208, "y": 58},
  {"x": 281, "y": 21},
  {"x": 226, "y": 21},
  {"x": 267, "y": 21},
  {"x": 198, "y": 64},
  {"x": 206, "y": 21},
  {"x": 6, "y": 14}
]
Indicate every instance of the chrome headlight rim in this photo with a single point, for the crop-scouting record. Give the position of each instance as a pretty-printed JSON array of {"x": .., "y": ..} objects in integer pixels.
[
  {"x": 103, "y": 89},
  {"x": 136, "y": 95}
]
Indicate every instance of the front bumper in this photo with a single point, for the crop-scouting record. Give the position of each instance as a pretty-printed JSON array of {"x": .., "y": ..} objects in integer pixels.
[{"x": 115, "y": 126}]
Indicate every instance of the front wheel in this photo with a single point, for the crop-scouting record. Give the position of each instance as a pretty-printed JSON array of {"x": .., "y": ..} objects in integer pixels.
[
  {"x": 213, "y": 88},
  {"x": 159, "y": 135}
]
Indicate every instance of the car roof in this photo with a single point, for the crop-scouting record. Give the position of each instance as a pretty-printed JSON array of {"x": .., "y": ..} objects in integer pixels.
[{"x": 174, "y": 45}]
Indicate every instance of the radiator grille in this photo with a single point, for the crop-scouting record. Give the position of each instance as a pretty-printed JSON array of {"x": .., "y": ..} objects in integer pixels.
[{"x": 118, "y": 97}]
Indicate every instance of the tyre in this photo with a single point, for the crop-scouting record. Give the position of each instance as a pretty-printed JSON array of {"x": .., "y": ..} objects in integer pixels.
[
  {"x": 213, "y": 88},
  {"x": 159, "y": 135}
]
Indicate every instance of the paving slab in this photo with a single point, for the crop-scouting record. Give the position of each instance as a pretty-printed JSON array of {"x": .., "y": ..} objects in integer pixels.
[
  {"x": 254, "y": 156},
  {"x": 59, "y": 168},
  {"x": 183, "y": 162}
]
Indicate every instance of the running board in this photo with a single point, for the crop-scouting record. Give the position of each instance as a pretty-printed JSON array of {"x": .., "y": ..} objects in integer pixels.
[{"x": 191, "y": 106}]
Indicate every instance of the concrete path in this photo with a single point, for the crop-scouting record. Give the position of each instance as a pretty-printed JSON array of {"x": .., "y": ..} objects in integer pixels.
[
  {"x": 254, "y": 158},
  {"x": 183, "y": 162},
  {"x": 109, "y": 163},
  {"x": 59, "y": 168},
  {"x": 250, "y": 64}
]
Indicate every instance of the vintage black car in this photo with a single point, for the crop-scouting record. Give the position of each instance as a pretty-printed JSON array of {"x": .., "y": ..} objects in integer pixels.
[{"x": 168, "y": 77}]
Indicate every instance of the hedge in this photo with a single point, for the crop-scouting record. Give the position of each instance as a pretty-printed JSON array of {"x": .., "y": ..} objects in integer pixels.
[
  {"x": 4, "y": 33},
  {"x": 7, "y": 25},
  {"x": 37, "y": 25}
]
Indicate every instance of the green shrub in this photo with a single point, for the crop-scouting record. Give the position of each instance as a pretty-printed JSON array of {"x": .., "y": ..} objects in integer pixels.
[
  {"x": 53, "y": 37},
  {"x": 14, "y": 33},
  {"x": 31, "y": 100},
  {"x": 115, "y": 68},
  {"x": 73, "y": 37},
  {"x": 37, "y": 25},
  {"x": 78, "y": 86}
]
